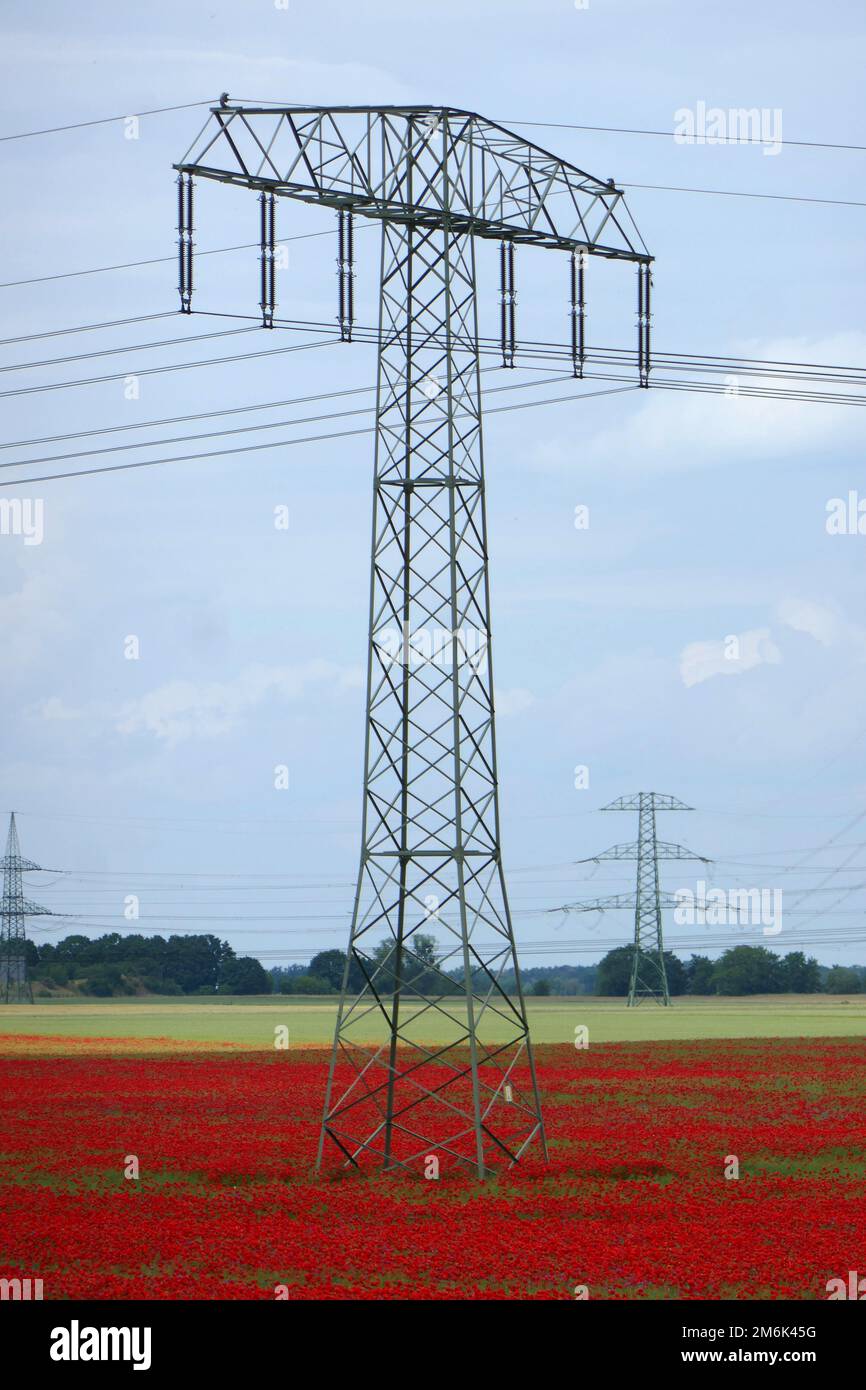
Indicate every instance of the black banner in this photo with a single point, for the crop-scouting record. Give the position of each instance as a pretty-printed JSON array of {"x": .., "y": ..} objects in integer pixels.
[{"x": 152, "y": 1338}]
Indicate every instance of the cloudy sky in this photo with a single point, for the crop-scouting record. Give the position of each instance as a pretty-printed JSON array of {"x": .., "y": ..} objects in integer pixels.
[{"x": 704, "y": 636}]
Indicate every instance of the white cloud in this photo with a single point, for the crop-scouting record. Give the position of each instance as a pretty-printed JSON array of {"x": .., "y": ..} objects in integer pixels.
[
  {"x": 180, "y": 710},
  {"x": 821, "y": 623},
  {"x": 671, "y": 430},
  {"x": 32, "y": 618},
  {"x": 728, "y": 656},
  {"x": 514, "y": 701}
]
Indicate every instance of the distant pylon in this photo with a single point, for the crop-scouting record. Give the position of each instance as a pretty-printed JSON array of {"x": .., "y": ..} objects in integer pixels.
[
  {"x": 14, "y": 909},
  {"x": 648, "y": 979}
]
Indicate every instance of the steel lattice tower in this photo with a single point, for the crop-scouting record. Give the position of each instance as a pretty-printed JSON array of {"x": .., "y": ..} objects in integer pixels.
[
  {"x": 648, "y": 978},
  {"x": 437, "y": 179},
  {"x": 14, "y": 910}
]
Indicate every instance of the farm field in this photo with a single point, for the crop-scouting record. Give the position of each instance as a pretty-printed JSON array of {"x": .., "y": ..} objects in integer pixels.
[
  {"x": 250, "y": 1021},
  {"x": 634, "y": 1203}
]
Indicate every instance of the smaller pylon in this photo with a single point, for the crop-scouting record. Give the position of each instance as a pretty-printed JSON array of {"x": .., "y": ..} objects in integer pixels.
[
  {"x": 648, "y": 979},
  {"x": 14, "y": 909}
]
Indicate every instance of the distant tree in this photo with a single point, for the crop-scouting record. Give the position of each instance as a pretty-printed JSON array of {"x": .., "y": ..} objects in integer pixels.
[
  {"x": 279, "y": 973},
  {"x": 677, "y": 975},
  {"x": 614, "y": 971},
  {"x": 748, "y": 970},
  {"x": 244, "y": 975},
  {"x": 329, "y": 966},
  {"x": 419, "y": 968},
  {"x": 198, "y": 960},
  {"x": 843, "y": 979},
  {"x": 103, "y": 981},
  {"x": 309, "y": 984},
  {"x": 613, "y": 976},
  {"x": 541, "y": 988},
  {"x": 77, "y": 948},
  {"x": 700, "y": 975},
  {"x": 564, "y": 979},
  {"x": 800, "y": 974}
]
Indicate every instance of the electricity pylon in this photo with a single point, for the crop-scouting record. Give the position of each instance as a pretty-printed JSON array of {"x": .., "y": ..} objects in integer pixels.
[
  {"x": 438, "y": 180},
  {"x": 14, "y": 910},
  {"x": 648, "y": 979}
]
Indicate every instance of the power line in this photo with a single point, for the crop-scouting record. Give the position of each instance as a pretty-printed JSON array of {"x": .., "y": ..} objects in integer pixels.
[
  {"x": 126, "y": 347},
  {"x": 538, "y": 347},
  {"x": 104, "y": 120},
  {"x": 229, "y": 410},
  {"x": 88, "y": 327},
  {"x": 173, "y": 367},
  {"x": 740, "y": 193},
  {"x": 710, "y": 388},
  {"x": 248, "y": 429},
  {"x": 184, "y": 419},
  {"x": 531, "y": 349},
  {"x": 155, "y": 260},
  {"x": 545, "y": 125},
  {"x": 285, "y": 443},
  {"x": 724, "y": 363},
  {"x": 670, "y": 134}
]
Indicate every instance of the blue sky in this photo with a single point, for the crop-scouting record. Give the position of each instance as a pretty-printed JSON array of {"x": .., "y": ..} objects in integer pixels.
[{"x": 707, "y": 515}]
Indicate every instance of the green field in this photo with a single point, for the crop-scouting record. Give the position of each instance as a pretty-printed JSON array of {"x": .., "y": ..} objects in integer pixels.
[{"x": 250, "y": 1021}]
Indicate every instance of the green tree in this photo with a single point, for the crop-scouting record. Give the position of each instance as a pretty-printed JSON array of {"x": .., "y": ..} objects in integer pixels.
[
  {"x": 800, "y": 974},
  {"x": 329, "y": 966},
  {"x": 613, "y": 976},
  {"x": 420, "y": 972},
  {"x": 700, "y": 975},
  {"x": 676, "y": 973},
  {"x": 244, "y": 975},
  {"x": 843, "y": 979},
  {"x": 309, "y": 984},
  {"x": 614, "y": 971},
  {"x": 748, "y": 970},
  {"x": 541, "y": 988}
]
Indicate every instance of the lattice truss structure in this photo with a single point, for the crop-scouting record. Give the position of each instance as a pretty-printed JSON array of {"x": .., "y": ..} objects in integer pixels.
[
  {"x": 648, "y": 979},
  {"x": 431, "y": 937},
  {"x": 14, "y": 910}
]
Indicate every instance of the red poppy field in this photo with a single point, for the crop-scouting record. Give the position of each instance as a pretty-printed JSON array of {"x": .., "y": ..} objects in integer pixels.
[{"x": 634, "y": 1203}]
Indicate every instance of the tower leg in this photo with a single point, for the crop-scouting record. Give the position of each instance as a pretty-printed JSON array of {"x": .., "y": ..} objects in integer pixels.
[{"x": 432, "y": 1056}]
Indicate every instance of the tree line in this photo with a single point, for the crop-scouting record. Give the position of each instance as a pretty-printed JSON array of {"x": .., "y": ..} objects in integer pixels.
[
  {"x": 117, "y": 964},
  {"x": 740, "y": 970}
]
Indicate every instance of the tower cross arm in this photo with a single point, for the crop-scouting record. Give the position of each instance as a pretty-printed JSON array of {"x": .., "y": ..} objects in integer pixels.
[
  {"x": 23, "y": 907},
  {"x": 624, "y": 851},
  {"x": 666, "y": 850},
  {"x": 616, "y": 900},
  {"x": 656, "y": 801},
  {"x": 430, "y": 166},
  {"x": 614, "y": 903}
]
